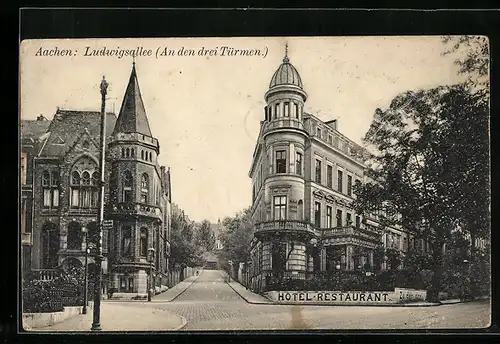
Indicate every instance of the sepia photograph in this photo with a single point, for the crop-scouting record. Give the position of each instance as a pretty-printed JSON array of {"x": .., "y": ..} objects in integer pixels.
[{"x": 255, "y": 183}]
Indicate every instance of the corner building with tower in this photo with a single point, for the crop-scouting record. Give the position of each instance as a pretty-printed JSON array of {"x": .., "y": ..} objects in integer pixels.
[
  {"x": 137, "y": 200},
  {"x": 303, "y": 172}
]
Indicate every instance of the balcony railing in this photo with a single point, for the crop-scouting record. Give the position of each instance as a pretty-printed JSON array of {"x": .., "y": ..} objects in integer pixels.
[
  {"x": 284, "y": 225},
  {"x": 26, "y": 238},
  {"x": 348, "y": 231},
  {"x": 44, "y": 274},
  {"x": 283, "y": 123},
  {"x": 138, "y": 209}
]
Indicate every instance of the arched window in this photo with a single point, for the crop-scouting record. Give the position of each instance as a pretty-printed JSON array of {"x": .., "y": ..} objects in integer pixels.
[
  {"x": 127, "y": 184},
  {"x": 126, "y": 239},
  {"x": 132, "y": 152},
  {"x": 84, "y": 184},
  {"x": 123, "y": 152},
  {"x": 142, "y": 154},
  {"x": 144, "y": 188},
  {"x": 150, "y": 156},
  {"x": 50, "y": 185},
  {"x": 74, "y": 236},
  {"x": 50, "y": 245},
  {"x": 127, "y": 152},
  {"x": 143, "y": 245}
]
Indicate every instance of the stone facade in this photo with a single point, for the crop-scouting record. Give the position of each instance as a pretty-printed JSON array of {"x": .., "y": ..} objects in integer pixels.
[
  {"x": 66, "y": 195},
  {"x": 303, "y": 172}
]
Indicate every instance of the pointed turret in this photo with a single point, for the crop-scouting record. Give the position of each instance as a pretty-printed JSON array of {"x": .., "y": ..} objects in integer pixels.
[{"x": 132, "y": 117}]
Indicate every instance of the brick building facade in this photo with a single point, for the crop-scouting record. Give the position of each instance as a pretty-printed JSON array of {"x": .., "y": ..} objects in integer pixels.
[{"x": 137, "y": 194}]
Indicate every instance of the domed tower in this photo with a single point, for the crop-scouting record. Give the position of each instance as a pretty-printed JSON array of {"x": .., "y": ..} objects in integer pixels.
[
  {"x": 135, "y": 190},
  {"x": 282, "y": 230}
]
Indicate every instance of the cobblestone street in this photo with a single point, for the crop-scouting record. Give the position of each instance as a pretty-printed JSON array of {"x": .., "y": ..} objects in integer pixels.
[{"x": 211, "y": 304}]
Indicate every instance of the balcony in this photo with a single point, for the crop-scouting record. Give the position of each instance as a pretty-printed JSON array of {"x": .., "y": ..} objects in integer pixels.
[
  {"x": 137, "y": 209},
  {"x": 26, "y": 239},
  {"x": 285, "y": 226},
  {"x": 351, "y": 231},
  {"x": 283, "y": 123}
]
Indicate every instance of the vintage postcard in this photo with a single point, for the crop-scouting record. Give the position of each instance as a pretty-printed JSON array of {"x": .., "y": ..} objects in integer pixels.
[{"x": 264, "y": 183}]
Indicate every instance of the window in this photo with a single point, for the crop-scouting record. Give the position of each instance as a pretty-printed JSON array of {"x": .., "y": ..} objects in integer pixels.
[
  {"x": 281, "y": 161},
  {"x": 127, "y": 183},
  {"x": 132, "y": 152},
  {"x": 330, "y": 139},
  {"x": 339, "y": 218},
  {"x": 144, "y": 188},
  {"x": 142, "y": 154},
  {"x": 143, "y": 244},
  {"x": 349, "y": 185},
  {"x": 318, "y": 132},
  {"x": 286, "y": 108},
  {"x": 329, "y": 223},
  {"x": 50, "y": 184},
  {"x": 150, "y": 156},
  {"x": 276, "y": 110},
  {"x": 317, "y": 214},
  {"x": 127, "y": 152},
  {"x": 123, "y": 152},
  {"x": 300, "y": 210},
  {"x": 318, "y": 171},
  {"x": 75, "y": 236},
  {"x": 340, "y": 175},
  {"x": 50, "y": 245},
  {"x": 296, "y": 110},
  {"x": 358, "y": 221},
  {"x": 329, "y": 176},
  {"x": 126, "y": 237},
  {"x": 280, "y": 207},
  {"x": 298, "y": 163},
  {"x": 23, "y": 168},
  {"x": 348, "y": 219}
]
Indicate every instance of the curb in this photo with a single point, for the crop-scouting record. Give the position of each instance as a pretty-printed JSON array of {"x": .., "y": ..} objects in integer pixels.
[
  {"x": 251, "y": 302},
  {"x": 182, "y": 291},
  {"x": 182, "y": 325}
]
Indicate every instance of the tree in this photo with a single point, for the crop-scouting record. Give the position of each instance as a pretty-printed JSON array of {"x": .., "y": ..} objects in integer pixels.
[
  {"x": 184, "y": 250},
  {"x": 205, "y": 237},
  {"x": 428, "y": 166},
  {"x": 237, "y": 237}
]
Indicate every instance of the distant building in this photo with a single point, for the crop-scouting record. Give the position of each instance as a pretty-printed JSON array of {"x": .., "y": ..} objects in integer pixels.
[
  {"x": 303, "y": 172},
  {"x": 64, "y": 166},
  {"x": 217, "y": 229}
]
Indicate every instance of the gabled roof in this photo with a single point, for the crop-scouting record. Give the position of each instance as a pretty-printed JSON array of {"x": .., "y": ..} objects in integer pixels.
[
  {"x": 132, "y": 117},
  {"x": 67, "y": 127},
  {"x": 33, "y": 129}
]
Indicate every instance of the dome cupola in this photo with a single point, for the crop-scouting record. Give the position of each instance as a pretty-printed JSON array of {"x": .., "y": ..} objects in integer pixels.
[{"x": 286, "y": 74}]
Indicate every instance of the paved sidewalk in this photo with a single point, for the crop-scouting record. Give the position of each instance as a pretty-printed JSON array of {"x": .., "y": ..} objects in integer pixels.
[
  {"x": 249, "y": 296},
  {"x": 115, "y": 317},
  {"x": 174, "y": 292}
]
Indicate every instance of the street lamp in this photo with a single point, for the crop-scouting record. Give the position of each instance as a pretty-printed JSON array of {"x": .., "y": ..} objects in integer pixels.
[
  {"x": 85, "y": 287},
  {"x": 151, "y": 257}
]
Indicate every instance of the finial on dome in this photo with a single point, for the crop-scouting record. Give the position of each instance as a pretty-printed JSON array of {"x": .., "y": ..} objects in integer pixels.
[{"x": 286, "y": 59}]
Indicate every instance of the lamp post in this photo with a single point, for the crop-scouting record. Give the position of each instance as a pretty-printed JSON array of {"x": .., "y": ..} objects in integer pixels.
[
  {"x": 151, "y": 256},
  {"x": 96, "y": 323},
  {"x": 85, "y": 287}
]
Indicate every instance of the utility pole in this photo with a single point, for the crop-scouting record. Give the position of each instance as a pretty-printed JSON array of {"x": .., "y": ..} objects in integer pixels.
[{"x": 96, "y": 324}]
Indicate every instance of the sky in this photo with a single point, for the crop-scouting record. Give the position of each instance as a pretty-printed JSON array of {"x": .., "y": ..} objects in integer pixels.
[{"x": 205, "y": 110}]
